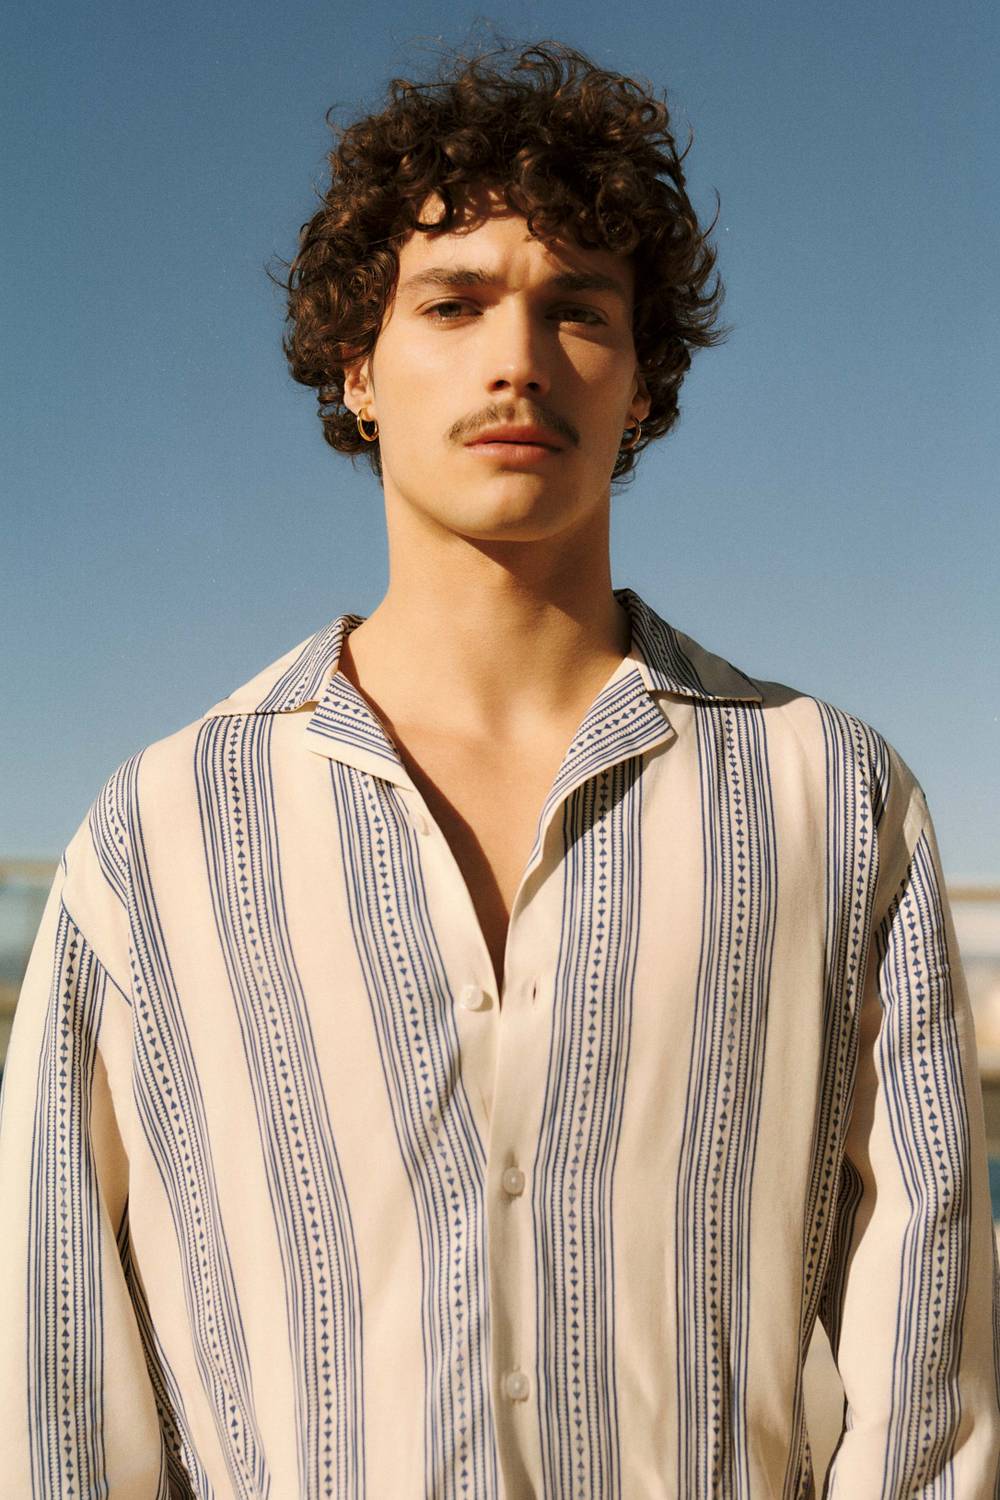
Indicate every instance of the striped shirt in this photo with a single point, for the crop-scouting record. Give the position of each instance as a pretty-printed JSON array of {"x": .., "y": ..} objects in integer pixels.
[{"x": 295, "y": 1207}]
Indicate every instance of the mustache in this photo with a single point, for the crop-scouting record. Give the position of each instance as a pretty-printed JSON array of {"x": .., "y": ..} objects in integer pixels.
[{"x": 496, "y": 415}]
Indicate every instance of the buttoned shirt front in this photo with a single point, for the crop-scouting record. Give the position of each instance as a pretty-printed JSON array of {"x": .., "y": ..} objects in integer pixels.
[{"x": 295, "y": 1206}]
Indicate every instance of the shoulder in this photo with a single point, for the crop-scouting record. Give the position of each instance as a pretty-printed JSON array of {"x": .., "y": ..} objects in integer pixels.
[
  {"x": 155, "y": 787},
  {"x": 844, "y": 748},
  {"x": 859, "y": 787},
  {"x": 826, "y": 766},
  {"x": 800, "y": 728},
  {"x": 292, "y": 682}
]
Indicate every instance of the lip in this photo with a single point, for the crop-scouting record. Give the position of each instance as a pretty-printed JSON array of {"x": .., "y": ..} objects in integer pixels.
[
  {"x": 514, "y": 455},
  {"x": 521, "y": 438}
]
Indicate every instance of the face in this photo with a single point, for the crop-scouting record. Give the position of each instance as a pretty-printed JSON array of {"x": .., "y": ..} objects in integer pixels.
[{"x": 492, "y": 329}]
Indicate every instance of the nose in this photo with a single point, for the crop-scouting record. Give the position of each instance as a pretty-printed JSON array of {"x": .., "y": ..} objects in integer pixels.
[{"x": 515, "y": 358}]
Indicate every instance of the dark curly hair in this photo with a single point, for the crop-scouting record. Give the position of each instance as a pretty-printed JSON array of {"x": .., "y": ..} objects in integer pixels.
[{"x": 582, "y": 153}]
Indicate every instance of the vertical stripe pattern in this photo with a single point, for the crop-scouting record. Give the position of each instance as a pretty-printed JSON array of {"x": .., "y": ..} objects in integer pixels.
[
  {"x": 857, "y": 784},
  {"x": 715, "y": 1171},
  {"x": 65, "y": 1374},
  {"x": 411, "y": 1002},
  {"x": 304, "y": 1200},
  {"x": 311, "y": 1214},
  {"x": 183, "y": 1476},
  {"x": 925, "y": 1097},
  {"x": 169, "y": 1104},
  {"x": 574, "y": 1168}
]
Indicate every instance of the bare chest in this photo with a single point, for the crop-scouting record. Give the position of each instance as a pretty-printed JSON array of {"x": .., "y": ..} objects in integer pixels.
[{"x": 487, "y": 805}]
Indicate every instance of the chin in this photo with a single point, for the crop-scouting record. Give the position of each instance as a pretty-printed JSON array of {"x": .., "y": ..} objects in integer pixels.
[
  {"x": 507, "y": 505},
  {"x": 522, "y": 528},
  {"x": 513, "y": 519}
]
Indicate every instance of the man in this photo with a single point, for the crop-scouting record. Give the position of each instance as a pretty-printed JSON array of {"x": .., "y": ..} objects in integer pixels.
[{"x": 467, "y": 1060}]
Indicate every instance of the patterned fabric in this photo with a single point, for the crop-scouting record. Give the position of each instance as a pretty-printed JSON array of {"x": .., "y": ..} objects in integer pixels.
[{"x": 296, "y": 1207}]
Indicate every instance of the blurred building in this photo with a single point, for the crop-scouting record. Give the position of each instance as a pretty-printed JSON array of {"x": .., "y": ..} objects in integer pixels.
[
  {"x": 24, "y": 885},
  {"x": 977, "y": 924}
]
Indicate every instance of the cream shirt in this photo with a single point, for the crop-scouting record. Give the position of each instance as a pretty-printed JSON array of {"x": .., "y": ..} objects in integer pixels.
[{"x": 293, "y": 1207}]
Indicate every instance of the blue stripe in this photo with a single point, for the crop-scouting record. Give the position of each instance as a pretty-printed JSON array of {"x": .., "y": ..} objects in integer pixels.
[
  {"x": 857, "y": 785},
  {"x": 412, "y": 1010},
  {"x": 65, "y": 1314},
  {"x": 573, "y": 1171},
  {"x": 183, "y": 1476},
  {"x": 918, "y": 1057},
  {"x": 322, "y": 1279},
  {"x": 722, "y": 1108},
  {"x": 168, "y": 1099}
]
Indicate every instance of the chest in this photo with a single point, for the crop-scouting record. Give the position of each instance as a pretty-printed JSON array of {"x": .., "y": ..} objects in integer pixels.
[{"x": 486, "y": 802}]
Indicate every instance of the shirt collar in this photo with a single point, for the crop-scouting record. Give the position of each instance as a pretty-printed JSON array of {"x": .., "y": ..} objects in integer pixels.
[
  {"x": 667, "y": 660},
  {"x": 671, "y": 662},
  {"x": 627, "y": 718}
]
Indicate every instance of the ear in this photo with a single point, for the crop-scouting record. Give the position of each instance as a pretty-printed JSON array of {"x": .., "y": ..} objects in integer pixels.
[
  {"x": 359, "y": 388},
  {"x": 641, "y": 400}
]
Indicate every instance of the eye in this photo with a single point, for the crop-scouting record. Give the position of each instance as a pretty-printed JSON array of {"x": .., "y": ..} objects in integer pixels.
[
  {"x": 440, "y": 307},
  {"x": 588, "y": 315},
  {"x": 453, "y": 309}
]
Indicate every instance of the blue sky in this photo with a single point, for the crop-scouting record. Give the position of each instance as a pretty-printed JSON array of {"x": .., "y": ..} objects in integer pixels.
[{"x": 825, "y": 514}]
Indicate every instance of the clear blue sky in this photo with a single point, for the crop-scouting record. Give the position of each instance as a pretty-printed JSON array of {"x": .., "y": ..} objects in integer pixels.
[{"x": 825, "y": 514}]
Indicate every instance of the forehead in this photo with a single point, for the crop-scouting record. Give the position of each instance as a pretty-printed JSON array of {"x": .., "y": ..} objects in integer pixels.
[{"x": 489, "y": 237}]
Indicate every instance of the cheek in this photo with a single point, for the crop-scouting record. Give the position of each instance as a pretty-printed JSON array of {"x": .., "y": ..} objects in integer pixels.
[
  {"x": 414, "y": 412},
  {"x": 599, "y": 367},
  {"x": 414, "y": 381}
]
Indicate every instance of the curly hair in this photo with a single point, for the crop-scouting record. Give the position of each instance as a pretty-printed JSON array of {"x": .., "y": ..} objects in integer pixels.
[{"x": 581, "y": 153}]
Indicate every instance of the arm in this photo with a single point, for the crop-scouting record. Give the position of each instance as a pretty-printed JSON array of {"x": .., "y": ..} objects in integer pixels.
[
  {"x": 78, "y": 1408},
  {"x": 911, "y": 1299}
]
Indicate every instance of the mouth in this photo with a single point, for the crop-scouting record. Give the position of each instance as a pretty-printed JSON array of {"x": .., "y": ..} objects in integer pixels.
[
  {"x": 506, "y": 450},
  {"x": 515, "y": 445}
]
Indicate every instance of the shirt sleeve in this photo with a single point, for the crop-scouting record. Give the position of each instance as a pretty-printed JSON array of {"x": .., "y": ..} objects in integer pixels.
[
  {"x": 78, "y": 1407},
  {"x": 911, "y": 1302}
]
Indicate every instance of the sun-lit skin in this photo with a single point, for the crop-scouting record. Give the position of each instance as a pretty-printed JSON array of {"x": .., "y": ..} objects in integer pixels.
[
  {"x": 499, "y": 607},
  {"x": 450, "y": 360}
]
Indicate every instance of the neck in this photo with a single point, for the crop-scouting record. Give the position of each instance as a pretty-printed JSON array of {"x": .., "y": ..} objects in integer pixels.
[{"x": 491, "y": 640}]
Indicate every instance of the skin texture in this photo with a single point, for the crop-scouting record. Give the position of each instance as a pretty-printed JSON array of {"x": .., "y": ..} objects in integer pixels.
[{"x": 498, "y": 626}]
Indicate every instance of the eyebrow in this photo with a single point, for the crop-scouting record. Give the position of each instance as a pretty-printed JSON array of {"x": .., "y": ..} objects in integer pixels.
[{"x": 457, "y": 276}]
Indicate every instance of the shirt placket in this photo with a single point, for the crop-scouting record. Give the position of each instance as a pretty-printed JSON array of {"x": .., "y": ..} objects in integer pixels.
[
  {"x": 503, "y": 1048},
  {"x": 504, "y": 1051}
]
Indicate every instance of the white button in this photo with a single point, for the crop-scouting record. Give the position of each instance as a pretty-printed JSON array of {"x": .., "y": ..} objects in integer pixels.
[
  {"x": 515, "y": 1385},
  {"x": 472, "y": 997},
  {"x": 513, "y": 1181}
]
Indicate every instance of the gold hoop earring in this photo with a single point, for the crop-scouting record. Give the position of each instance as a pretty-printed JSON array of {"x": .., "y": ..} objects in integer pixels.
[
  {"x": 627, "y": 447},
  {"x": 369, "y": 437}
]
